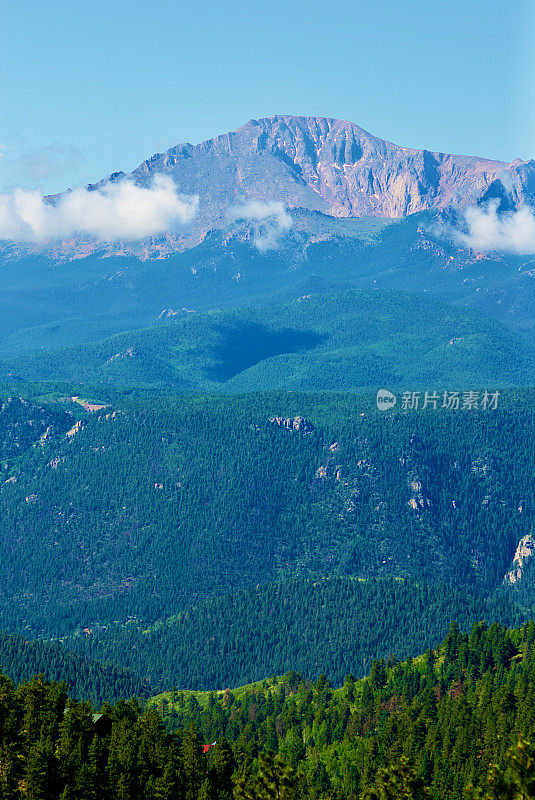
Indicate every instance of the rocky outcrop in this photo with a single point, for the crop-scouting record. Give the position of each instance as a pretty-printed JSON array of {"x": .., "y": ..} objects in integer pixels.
[
  {"x": 293, "y": 424},
  {"x": 76, "y": 428},
  {"x": 128, "y": 353},
  {"x": 25, "y": 425},
  {"x": 524, "y": 553},
  {"x": 417, "y": 499}
]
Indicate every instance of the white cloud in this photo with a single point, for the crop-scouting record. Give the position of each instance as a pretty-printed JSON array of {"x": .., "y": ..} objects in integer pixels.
[
  {"x": 114, "y": 211},
  {"x": 486, "y": 230},
  {"x": 270, "y": 221}
]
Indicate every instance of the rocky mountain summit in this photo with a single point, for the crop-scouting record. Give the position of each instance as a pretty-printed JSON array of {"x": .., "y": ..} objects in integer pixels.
[
  {"x": 321, "y": 171},
  {"x": 332, "y": 166},
  {"x": 290, "y": 210}
]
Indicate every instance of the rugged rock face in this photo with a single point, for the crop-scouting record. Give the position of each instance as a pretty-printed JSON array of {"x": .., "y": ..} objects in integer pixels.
[
  {"x": 315, "y": 164},
  {"x": 524, "y": 553},
  {"x": 331, "y": 166},
  {"x": 293, "y": 423}
]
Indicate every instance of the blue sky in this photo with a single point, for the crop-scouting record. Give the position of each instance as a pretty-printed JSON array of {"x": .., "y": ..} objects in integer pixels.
[{"x": 88, "y": 88}]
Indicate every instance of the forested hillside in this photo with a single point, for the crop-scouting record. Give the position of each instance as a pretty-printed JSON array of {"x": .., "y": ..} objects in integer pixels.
[
  {"x": 425, "y": 728},
  {"x": 88, "y": 679},
  {"x": 320, "y": 341},
  {"x": 451, "y": 714},
  {"x": 334, "y": 626},
  {"x": 152, "y": 503}
]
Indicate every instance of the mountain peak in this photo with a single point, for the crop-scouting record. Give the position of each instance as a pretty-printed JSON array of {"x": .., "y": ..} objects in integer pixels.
[
  {"x": 311, "y": 124},
  {"x": 328, "y": 165},
  {"x": 317, "y": 164}
]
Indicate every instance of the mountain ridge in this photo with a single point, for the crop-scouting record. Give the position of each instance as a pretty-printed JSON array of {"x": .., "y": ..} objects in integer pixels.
[
  {"x": 311, "y": 147},
  {"x": 315, "y": 164}
]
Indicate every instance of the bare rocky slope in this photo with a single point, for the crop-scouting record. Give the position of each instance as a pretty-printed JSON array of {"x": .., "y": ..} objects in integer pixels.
[
  {"x": 314, "y": 164},
  {"x": 331, "y": 166}
]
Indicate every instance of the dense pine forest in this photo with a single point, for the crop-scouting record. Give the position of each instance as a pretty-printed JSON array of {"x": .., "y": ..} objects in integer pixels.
[
  {"x": 334, "y": 626},
  {"x": 88, "y": 679},
  {"x": 441, "y": 720},
  {"x": 456, "y": 722},
  {"x": 180, "y": 546},
  {"x": 149, "y": 504}
]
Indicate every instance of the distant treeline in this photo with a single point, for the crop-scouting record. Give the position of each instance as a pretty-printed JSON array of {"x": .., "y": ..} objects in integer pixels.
[{"x": 21, "y": 659}]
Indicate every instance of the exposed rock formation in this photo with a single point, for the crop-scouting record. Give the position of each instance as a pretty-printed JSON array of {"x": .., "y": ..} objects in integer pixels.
[
  {"x": 524, "y": 553},
  {"x": 293, "y": 423},
  {"x": 332, "y": 166}
]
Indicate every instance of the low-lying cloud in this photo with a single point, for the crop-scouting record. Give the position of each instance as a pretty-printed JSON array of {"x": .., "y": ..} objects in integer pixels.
[
  {"x": 270, "y": 221},
  {"x": 487, "y": 230},
  {"x": 121, "y": 211}
]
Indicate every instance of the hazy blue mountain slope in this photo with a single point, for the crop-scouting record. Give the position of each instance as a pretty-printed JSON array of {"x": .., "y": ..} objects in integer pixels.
[
  {"x": 320, "y": 341},
  {"x": 49, "y": 305}
]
